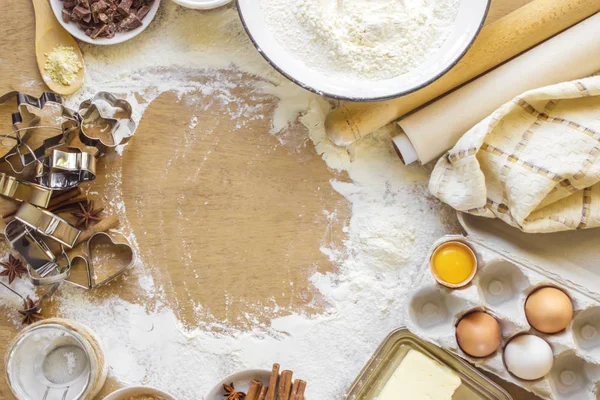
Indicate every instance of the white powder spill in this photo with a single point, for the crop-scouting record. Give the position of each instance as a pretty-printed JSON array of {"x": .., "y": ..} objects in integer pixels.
[{"x": 393, "y": 222}]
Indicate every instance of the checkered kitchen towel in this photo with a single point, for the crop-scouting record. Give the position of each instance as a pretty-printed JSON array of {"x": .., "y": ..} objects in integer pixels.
[{"x": 534, "y": 163}]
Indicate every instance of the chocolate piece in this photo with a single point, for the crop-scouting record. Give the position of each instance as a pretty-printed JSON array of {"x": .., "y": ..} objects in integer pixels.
[
  {"x": 103, "y": 18},
  {"x": 79, "y": 12},
  {"x": 87, "y": 18},
  {"x": 66, "y": 15},
  {"x": 124, "y": 7},
  {"x": 129, "y": 23},
  {"x": 141, "y": 13},
  {"x": 99, "y": 31}
]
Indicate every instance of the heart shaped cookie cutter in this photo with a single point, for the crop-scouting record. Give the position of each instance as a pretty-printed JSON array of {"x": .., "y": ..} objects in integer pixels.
[
  {"x": 66, "y": 168},
  {"x": 121, "y": 129},
  {"x": 86, "y": 258}
]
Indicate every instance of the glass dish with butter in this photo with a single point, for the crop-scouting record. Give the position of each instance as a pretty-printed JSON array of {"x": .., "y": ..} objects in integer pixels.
[{"x": 406, "y": 367}]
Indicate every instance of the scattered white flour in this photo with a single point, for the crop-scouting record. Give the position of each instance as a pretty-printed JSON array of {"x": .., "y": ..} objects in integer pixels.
[
  {"x": 361, "y": 39},
  {"x": 393, "y": 223}
]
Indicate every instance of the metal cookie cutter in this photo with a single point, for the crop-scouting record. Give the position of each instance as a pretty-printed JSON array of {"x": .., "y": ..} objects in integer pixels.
[
  {"x": 24, "y": 120},
  {"x": 121, "y": 129},
  {"x": 33, "y": 249},
  {"x": 66, "y": 168},
  {"x": 24, "y": 191},
  {"x": 85, "y": 258},
  {"x": 48, "y": 224}
]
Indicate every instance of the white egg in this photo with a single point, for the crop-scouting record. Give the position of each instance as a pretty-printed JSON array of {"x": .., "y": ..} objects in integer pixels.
[{"x": 528, "y": 357}]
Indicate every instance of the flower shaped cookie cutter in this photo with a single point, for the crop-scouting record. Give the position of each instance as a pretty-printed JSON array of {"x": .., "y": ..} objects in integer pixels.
[{"x": 91, "y": 115}]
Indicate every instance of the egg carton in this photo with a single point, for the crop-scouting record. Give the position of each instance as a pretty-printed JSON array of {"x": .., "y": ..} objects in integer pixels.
[{"x": 505, "y": 278}]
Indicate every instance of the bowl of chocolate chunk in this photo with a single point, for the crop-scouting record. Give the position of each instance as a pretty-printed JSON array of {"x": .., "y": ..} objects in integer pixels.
[
  {"x": 105, "y": 21},
  {"x": 139, "y": 393}
]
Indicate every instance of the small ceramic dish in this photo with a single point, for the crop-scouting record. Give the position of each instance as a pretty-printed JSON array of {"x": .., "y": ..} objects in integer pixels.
[
  {"x": 241, "y": 381},
  {"x": 126, "y": 393},
  {"x": 202, "y": 4},
  {"x": 469, "y": 21},
  {"x": 120, "y": 37}
]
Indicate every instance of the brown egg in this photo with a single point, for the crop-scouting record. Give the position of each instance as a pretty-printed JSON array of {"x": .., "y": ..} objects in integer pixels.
[
  {"x": 549, "y": 310},
  {"x": 478, "y": 334}
]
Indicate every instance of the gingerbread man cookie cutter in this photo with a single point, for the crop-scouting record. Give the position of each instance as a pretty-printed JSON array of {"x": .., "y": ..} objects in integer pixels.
[{"x": 24, "y": 121}]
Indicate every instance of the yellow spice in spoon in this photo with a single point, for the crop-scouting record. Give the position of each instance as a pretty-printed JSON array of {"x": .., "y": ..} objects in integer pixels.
[{"x": 63, "y": 65}]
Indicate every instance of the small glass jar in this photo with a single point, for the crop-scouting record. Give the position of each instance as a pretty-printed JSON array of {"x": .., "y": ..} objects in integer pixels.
[{"x": 55, "y": 360}]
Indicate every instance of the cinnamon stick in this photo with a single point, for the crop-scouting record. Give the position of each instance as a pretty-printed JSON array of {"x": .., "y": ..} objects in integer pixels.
[
  {"x": 263, "y": 393},
  {"x": 285, "y": 385},
  {"x": 294, "y": 389},
  {"x": 64, "y": 196},
  {"x": 301, "y": 389},
  {"x": 273, "y": 382},
  {"x": 68, "y": 202},
  {"x": 254, "y": 390}
]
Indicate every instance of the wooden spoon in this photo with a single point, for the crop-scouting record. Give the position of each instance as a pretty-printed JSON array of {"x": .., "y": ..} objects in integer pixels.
[{"x": 49, "y": 34}]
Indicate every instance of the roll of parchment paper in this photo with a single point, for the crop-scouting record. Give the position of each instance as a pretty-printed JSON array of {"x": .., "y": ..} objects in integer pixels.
[{"x": 436, "y": 128}]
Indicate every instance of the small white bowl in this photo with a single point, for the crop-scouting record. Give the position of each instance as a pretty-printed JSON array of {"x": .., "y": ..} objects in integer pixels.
[
  {"x": 202, "y": 4},
  {"x": 469, "y": 21},
  {"x": 125, "y": 393},
  {"x": 241, "y": 381},
  {"x": 120, "y": 37}
]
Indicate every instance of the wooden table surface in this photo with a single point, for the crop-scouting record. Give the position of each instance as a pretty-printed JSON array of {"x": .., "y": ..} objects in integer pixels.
[{"x": 250, "y": 189}]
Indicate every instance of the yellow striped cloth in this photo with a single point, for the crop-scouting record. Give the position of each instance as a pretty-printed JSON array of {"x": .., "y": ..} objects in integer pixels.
[{"x": 534, "y": 163}]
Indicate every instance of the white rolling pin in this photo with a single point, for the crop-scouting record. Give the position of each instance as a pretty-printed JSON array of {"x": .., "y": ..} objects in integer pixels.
[{"x": 433, "y": 130}]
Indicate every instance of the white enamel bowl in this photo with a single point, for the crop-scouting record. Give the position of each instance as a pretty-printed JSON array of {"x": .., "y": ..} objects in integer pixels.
[
  {"x": 120, "y": 37},
  {"x": 126, "y": 393},
  {"x": 469, "y": 21}
]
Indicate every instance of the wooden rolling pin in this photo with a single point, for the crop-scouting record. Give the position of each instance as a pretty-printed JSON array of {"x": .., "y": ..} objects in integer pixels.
[{"x": 497, "y": 43}]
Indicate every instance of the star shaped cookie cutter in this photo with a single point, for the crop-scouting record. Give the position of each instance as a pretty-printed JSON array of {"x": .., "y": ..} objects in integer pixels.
[
  {"x": 66, "y": 168},
  {"x": 121, "y": 129},
  {"x": 24, "y": 121}
]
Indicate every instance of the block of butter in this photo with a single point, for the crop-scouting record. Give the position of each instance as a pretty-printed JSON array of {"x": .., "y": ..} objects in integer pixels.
[{"x": 418, "y": 377}]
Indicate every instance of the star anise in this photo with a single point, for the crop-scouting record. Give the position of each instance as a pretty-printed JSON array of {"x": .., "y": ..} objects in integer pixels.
[
  {"x": 13, "y": 268},
  {"x": 231, "y": 393},
  {"x": 87, "y": 214},
  {"x": 31, "y": 312}
]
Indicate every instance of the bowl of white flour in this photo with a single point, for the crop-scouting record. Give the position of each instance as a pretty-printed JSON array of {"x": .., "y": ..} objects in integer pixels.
[{"x": 363, "y": 50}]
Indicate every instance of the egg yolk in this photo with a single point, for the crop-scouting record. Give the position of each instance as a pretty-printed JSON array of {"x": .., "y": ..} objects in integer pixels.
[{"x": 453, "y": 263}]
